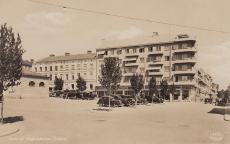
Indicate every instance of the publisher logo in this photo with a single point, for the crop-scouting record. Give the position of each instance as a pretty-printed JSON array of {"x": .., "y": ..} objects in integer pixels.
[{"x": 216, "y": 136}]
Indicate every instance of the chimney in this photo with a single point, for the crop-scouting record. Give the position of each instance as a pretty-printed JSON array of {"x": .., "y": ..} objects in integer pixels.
[
  {"x": 67, "y": 54},
  {"x": 52, "y": 55},
  {"x": 155, "y": 34},
  {"x": 89, "y": 52}
]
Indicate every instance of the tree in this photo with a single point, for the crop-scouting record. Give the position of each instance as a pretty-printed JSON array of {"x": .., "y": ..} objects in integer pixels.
[
  {"x": 152, "y": 87},
  {"x": 81, "y": 84},
  {"x": 11, "y": 53},
  {"x": 164, "y": 87},
  {"x": 110, "y": 75},
  {"x": 58, "y": 82},
  {"x": 172, "y": 90},
  {"x": 137, "y": 84}
]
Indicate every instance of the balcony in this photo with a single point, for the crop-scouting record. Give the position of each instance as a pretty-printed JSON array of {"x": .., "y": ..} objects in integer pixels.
[
  {"x": 156, "y": 52},
  {"x": 187, "y": 49},
  {"x": 189, "y": 71},
  {"x": 186, "y": 60},
  {"x": 188, "y": 82},
  {"x": 128, "y": 73},
  {"x": 131, "y": 54},
  {"x": 155, "y": 62},
  {"x": 131, "y": 64}
]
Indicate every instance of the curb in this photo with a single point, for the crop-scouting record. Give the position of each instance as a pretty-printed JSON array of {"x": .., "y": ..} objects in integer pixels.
[{"x": 9, "y": 132}]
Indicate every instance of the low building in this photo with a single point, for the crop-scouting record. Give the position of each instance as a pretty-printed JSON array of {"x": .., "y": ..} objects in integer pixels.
[
  {"x": 31, "y": 85},
  {"x": 69, "y": 68}
]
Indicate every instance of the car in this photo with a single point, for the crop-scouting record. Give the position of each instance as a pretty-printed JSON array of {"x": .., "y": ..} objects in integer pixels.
[
  {"x": 220, "y": 102},
  {"x": 154, "y": 99},
  {"x": 207, "y": 100},
  {"x": 79, "y": 95},
  {"x": 104, "y": 101},
  {"x": 89, "y": 96},
  {"x": 126, "y": 99}
]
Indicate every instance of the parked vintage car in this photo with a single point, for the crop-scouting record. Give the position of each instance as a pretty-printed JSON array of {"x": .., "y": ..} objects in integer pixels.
[
  {"x": 221, "y": 102},
  {"x": 59, "y": 94},
  {"x": 104, "y": 101},
  {"x": 127, "y": 100},
  {"x": 154, "y": 99},
  {"x": 89, "y": 96}
]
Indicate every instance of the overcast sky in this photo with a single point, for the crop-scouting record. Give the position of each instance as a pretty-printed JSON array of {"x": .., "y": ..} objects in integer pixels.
[{"x": 46, "y": 29}]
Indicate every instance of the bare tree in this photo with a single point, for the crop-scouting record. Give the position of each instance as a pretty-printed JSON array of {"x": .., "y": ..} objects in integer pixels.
[{"x": 10, "y": 61}]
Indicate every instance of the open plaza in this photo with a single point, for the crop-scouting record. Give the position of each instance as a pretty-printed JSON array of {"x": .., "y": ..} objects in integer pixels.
[{"x": 56, "y": 120}]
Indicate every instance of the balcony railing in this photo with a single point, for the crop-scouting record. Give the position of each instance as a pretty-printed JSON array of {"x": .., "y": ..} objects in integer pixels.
[
  {"x": 186, "y": 60},
  {"x": 186, "y": 49},
  {"x": 187, "y": 71}
]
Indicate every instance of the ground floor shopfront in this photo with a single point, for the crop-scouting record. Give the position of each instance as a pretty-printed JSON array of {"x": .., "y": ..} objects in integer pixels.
[{"x": 182, "y": 93}]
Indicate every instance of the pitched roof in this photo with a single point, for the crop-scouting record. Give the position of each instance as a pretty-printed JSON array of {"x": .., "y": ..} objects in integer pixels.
[
  {"x": 32, "y": 74},
  {"x": 69, "y": 57},
  {"x": 27, "y": 63},
  {"x": 141, "y": 41}
]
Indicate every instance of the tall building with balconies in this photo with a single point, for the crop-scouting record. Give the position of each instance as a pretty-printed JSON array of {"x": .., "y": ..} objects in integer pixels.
[
  {"x": 69, "y": 68},
  {"x": 171, "y": 57}
]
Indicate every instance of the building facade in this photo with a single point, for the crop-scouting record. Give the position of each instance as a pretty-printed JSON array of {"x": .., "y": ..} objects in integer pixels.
[
  {"x": 69, "y": 68},
  {"x": 31, "y": 85},
  {"x": 163, "y": 56}
]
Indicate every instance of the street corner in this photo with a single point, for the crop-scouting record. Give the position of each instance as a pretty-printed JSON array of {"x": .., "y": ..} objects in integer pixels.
[{"x": 8, "y": 129}]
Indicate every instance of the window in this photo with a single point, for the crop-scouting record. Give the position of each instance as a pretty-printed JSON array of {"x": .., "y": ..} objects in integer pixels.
[
  {"x": 61, "y": 76},
  {"x": 56, "y": 68},
  {"x": 72, "y": 76},
  {"x": 72, "y": 85},
  {"x": 51, "y": 77},
  {"x": 50, "y": 68},
  {"x": 61, "y": 67},
  {"x": 120, "y": 61},
  {"x": 85, "y": 66},
  {"x": 166, "y": 58},
  {"x": 119, "y": 52},
  {"x": 45, "y": 68},
  {"x": 67, "y": 67},
  {"x": 72, "y": 67},
  {"x": 40, "y": 68},
  {"x": 184, "y": 46},
  {"x": 78, "y": 74},
  {"x": 91, "y": 65},
  {"x": 126, "y": 50},
  {"x": 67, "y": 76},
  {"x": 78, "y": 66},
  {"x": 55, "y": 76},
  {"x": 31, "y": 84},
  {"x": 158, "y": 58},
  {"x": 150, "y": 49},
  {"x": 35, "y": 69},
  {"x": 158, "y": 48},
  {"x": 175, "y": 46},
  {"x": 112, "y": 52},
  {"x": 91, "y": 86},
  {"x": 142, "y": 50},
  {"x": 126, "y": 79},
  {"x": 41, "y": 84},
  {"x": 142, "y": 70},
  {"x": 184, "y": 67},
  {"x": 106, "y": 53},
  {"x": 142, "y": 59},
  {"x": 167, "y": 47},
  {"x": 134, "y": 50},
  {"x": 184, "y": 56},
  {"x": 184, "y": 78},
  {"x": 84, "y": 75},
  {"x": 166, "y": 68}
]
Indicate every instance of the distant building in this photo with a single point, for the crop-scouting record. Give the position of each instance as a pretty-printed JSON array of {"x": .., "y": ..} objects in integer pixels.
[
  {"x": 32, "y": 85},
  {"x": 69, "y": 68},
  {"x": 170, "y": 57}
]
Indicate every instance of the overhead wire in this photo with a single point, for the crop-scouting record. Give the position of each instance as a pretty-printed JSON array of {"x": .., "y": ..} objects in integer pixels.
[{"x": 132, "y": 18}]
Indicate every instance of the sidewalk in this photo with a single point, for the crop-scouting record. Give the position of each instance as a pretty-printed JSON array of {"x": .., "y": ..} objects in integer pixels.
[{"x": 8, "y": 129}]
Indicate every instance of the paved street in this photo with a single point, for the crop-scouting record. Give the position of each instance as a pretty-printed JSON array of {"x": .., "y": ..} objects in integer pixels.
[{"x": 55, "y": 120}]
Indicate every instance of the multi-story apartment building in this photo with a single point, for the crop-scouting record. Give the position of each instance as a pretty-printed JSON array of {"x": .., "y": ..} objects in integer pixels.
[
  {"x": 162, "y": 56},
  {"x": 69, "y": 68}
]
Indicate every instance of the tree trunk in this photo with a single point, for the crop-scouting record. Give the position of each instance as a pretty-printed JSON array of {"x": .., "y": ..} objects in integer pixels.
[
  {"x": 2, "y": 122},
  {"x": 109, "y": 91}
]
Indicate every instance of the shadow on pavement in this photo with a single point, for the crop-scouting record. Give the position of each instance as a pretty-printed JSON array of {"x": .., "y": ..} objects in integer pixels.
[
  {"x": 13, "y": 119},
  {"x": 220, "y": 111}
]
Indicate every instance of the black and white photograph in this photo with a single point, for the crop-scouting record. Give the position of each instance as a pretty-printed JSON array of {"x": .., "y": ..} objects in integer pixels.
[{"x": 115, "y": 71}]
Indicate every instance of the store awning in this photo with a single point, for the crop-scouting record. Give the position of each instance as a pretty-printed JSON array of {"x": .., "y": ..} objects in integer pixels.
[
  {"x": 130, "y": 59},
  {"x": 153, "y": 68},
  {"x": 101, "y": 52}
]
